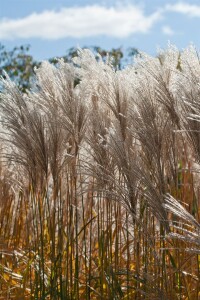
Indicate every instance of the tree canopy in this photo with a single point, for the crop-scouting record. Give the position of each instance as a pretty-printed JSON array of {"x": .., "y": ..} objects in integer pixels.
[{"x": 19, "y": 64}]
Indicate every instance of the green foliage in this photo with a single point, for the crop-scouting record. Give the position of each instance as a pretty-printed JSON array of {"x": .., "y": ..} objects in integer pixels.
[{"x": 19, "y": 64}]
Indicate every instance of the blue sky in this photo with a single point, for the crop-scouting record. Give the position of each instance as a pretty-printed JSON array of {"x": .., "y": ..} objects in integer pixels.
[{"x": 50, "y": 27}]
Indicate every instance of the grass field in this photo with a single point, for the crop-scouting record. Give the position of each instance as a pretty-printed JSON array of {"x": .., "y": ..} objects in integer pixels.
[{"x": 99, "y": 180}]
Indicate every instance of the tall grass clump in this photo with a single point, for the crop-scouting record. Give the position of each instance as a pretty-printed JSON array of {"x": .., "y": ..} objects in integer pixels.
[{"x": 100, "y": 180}]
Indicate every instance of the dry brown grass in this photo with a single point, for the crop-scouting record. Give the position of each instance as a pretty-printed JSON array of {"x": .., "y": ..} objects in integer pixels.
[{"x": 99, "y": 185}]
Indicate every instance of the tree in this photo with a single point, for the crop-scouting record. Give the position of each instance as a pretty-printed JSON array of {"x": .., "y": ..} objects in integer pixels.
[{"x": 18, "y": 64}]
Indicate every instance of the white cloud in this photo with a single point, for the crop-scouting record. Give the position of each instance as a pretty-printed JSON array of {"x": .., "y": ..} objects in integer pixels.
[
  {"x": 191, "y": 10},
  {"x": 78, "y": 22},
  {"x": 167, "y": 30}
]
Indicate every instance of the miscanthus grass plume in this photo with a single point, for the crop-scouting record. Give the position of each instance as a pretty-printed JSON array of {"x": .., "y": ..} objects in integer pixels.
[{"x": 99, "y": 180}]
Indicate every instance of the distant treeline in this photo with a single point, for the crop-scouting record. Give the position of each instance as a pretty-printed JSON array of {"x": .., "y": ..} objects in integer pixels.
[{"x": 19, "y": 64}]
